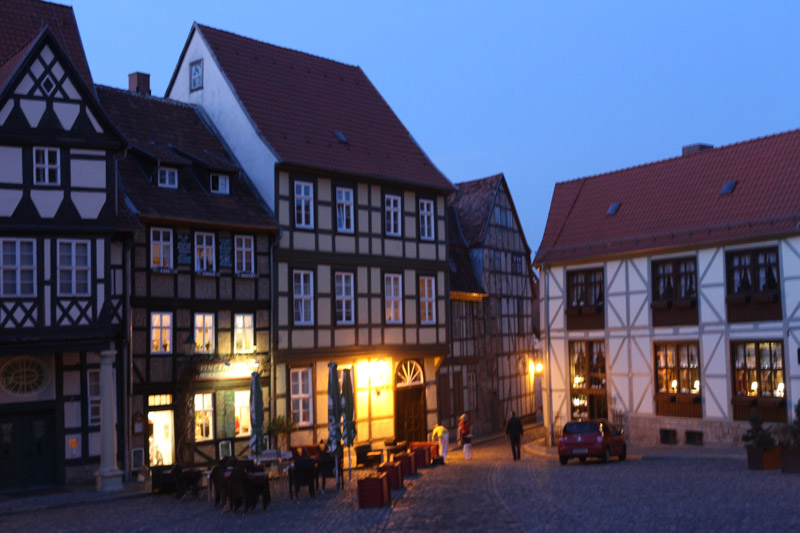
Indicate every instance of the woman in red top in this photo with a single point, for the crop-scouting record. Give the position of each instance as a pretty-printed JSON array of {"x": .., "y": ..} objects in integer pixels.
[{"x": 465, "y": 435}]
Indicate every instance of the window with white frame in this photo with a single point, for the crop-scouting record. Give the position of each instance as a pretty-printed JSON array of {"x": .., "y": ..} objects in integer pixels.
[
  {"x": 160, "y": 332},
  {"x": 303, "y": 205},
  {"x": 204, "y": 252},
  {"x": 301, "y": 396},
  {"x": 220, "y": 184},
  {"x": 243, "y": 252},
  {"x": 46, "y": 166},
  {"x": 303, "y": 291},
  {"x": 203, "y": 417},
  {"x": 196, "y": 75},
  {"x": 393, "y": 290},
  {"x": 344, "y": 210},
  {"x": 243, "y": 333},
  {"x": 93, "y": 395},
  {"x": 204, "y": 332},
  {"x": 427, "y": 300},
  {"x": 168, "y": 178},
  {"x": 426, "y": 219},
  {"x": 343, "y": 284},
  {"x": 392, "y": 215},
  {"x": 18, "y": 267},
  {"x": 73, "y": 268},
  {"x": 160, "y": 248},
  {"x": 241, "y": 402}
]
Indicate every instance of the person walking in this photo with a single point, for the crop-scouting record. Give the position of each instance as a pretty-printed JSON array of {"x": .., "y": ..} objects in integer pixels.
[
  {"x": 465, "y": 435},
  {"x": 514, "y": 433},
  {"x": 440, "y": 433}
]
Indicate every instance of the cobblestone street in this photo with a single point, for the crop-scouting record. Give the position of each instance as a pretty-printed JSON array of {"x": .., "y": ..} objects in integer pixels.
[{"x": 493, "y": 493}]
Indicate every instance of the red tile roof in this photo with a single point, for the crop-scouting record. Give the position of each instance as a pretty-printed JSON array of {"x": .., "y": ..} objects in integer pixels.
[
  {"x": 298, "y": 101},
  {"x": 174, "y": 133},
  {"x": 473, "y": 201},
  {"x": 22, "y": 20},
  {"x": 677, "y": 203}
]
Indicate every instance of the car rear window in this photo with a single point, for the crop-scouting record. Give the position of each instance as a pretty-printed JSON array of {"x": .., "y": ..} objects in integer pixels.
[{"x": 581, "y": 428}]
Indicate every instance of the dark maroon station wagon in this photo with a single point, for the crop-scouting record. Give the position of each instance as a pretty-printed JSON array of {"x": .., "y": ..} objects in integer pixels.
[{"x": 591, "y": 438}]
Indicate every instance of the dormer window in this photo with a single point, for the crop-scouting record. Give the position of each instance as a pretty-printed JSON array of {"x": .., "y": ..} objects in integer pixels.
[
  {"x": 168, "y": 178},
  {"x": 196, "y": 75},
  {"x": 220, "y": 184},
  {"x": 46, "y": 166}
]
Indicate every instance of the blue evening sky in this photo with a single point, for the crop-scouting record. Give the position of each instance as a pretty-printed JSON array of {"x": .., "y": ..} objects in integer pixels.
[{"x": 541, "y": 91}]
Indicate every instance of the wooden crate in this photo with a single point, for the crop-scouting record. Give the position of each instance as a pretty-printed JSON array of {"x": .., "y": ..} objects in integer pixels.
[
  {"x": 373, "y": 491},
  {"x": 407, "y": 462},
  {"x": 422, "y": 456},
  {"x": 394, "y": 473}
]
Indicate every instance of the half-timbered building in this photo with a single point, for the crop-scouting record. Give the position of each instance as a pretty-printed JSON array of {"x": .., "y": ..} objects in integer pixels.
[
  {"x": 62, "y": 290},
  {"x": 671, "y": 293},
  {"x": 490, "y": 371},
  {"x": 361, "y": 270},
  {"x": 200, "y": 282}
]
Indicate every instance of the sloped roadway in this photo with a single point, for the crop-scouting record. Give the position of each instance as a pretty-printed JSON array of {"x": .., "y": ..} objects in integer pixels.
[{"x": 489, "y": 493}]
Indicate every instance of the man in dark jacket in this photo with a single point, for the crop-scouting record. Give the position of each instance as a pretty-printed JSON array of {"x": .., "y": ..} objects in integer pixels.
[{"x": 513, "y": 433}]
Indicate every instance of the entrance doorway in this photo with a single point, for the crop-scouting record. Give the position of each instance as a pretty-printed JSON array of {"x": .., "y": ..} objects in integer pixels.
[
  {"x": 27, "y": 450},
  {"x": 162, "y": 437},
  {"x": 409, "y": 401}
]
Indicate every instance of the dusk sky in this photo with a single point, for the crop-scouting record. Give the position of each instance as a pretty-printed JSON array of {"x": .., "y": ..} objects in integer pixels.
[{"x": 541, "y": 91}]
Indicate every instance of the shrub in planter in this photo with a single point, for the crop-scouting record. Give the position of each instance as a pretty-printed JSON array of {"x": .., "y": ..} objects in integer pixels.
[
  {"x": 790, "y": 440},
  {"x": 762, "y": 452}
]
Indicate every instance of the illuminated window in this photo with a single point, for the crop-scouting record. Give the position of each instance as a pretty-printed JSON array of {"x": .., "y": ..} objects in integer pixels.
[
  {"x": 301, "y": 396},
  {"x": 758, "y": 369},
  {"x": 242, "y": 412},
  {"x": 243, "y": 333},
  {"x": 678, "y": 368},
  {"x": 427, "y": 300},
  {"x": 393, "y": 294},
  {"x": 204, "y": 332},
  {"x": 18, "y": 267},
  {"x": 157, "y": 400},
  {"x": 160, "y": 332},
  {"x": 204, "y": 252},
  {"x": 160, "y": 248},
  {"x": 46, "y": 166},
  {"x": 203, "y": 417}
]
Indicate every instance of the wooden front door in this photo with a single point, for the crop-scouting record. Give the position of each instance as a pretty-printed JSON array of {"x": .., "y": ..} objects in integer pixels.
[
  {"x": 27, "y": 450},
  {"x": 409, "y": 415}
]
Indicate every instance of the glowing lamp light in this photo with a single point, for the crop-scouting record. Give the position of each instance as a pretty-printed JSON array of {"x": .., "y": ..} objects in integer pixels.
[
  {"x": 674, "y": 384},
  {"x": 696, "y": 386},
  {"x": 539, "y": 367},
  {"x": 780, "y": 390},
  {"x": 531, "y": 368},
  {"x": 754, "y": 386}
]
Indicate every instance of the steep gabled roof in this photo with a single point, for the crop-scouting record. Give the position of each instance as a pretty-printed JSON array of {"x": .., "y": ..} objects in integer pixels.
[
  {"x": 473, "y": 201},
  {"x": 678, "y": 203},
  {"x": 462, "y": 274},
  {"x": 22, "y": 20},
  {"x": 302, "y": 104},
  {"x": 166, "y": 132}
]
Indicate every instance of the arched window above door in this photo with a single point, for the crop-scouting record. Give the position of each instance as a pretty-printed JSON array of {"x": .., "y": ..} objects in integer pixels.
[{"x": 409, "y": 374}]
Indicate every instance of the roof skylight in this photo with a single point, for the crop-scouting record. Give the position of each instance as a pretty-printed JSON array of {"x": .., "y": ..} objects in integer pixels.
[
  {"x": 728, "y": 187},
  {"x": 612, "y": 209}
]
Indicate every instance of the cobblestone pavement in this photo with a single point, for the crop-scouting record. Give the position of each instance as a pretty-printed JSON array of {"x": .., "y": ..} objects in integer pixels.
[{"x": 492, "y": 493}]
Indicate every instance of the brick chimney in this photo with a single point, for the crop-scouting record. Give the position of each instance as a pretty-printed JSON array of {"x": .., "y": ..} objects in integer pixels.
[
  {"x": 139, "y": 82},
  {"x": 690, "y": 149}
]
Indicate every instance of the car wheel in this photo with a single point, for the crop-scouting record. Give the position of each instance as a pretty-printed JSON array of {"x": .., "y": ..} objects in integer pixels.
[
  {"x": 624, "y": 454},
  {"x": 563, "y": 460},
  {"x": 582, "y": 459},
  {"x": 606, "y": 455}
]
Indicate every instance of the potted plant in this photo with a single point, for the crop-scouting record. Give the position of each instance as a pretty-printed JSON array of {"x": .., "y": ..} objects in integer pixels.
[
  {"x": 762, "y": 451},
  {"x": 790, "y": 439},
  {"x": 280, "y": 426}
]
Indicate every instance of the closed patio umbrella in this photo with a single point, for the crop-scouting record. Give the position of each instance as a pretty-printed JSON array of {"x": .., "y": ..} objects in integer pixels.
[
  {"x": 348, "y": 413},
  {"x": 334, "y": 416},
  {"x": 256, "y": 413}
]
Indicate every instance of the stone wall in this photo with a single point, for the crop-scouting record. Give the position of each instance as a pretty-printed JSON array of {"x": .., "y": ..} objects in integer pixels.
[{"x": 646, "y": 430}]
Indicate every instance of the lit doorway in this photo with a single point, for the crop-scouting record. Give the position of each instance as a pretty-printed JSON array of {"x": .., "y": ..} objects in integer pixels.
[{"x": 162, "y": 437}]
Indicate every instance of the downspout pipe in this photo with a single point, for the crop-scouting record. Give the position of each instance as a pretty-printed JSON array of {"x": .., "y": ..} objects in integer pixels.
[{"x": 273, "y": 313}]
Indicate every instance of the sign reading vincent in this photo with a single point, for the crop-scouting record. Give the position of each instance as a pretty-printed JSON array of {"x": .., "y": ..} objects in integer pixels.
[{"x": 233, "y": 370}]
